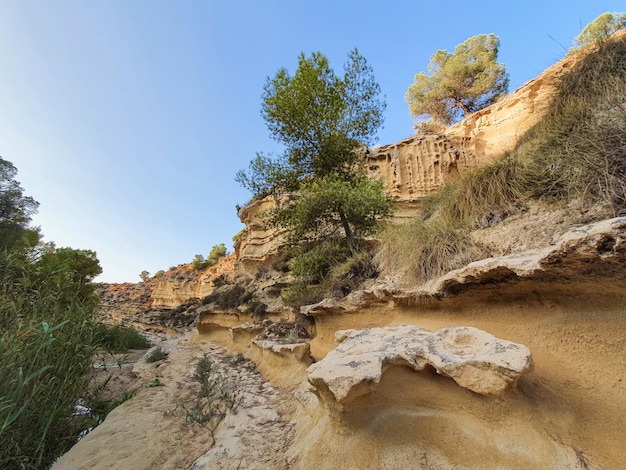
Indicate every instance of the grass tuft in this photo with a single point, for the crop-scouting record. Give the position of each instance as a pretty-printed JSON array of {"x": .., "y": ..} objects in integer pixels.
[{"x": 424, "y": 250}]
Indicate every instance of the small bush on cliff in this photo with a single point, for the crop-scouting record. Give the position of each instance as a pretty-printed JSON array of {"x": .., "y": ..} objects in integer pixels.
[
  {"x": 233, "y": 296},
  {"x": 329, "y": 269},
  {"x": 600, "y": 29},
  {"x": 217, "y": 252}
]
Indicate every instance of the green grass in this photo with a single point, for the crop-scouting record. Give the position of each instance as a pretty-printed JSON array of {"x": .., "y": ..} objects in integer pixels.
[{"x": 46, "y": 331}]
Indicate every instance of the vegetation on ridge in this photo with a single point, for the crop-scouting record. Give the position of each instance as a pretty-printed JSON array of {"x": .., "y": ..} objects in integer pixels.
[
  {"x": 601, "y": 28},
  {"x": 217, "y": 252},
  {"x": 576, "y": 152},
  {"x": 460, "y": 83}
]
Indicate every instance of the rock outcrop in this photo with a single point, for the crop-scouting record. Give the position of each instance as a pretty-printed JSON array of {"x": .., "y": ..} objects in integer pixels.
[
  {"x": 256, "y": 243},
  {"x": 420, "y": 165},
  {"x": 593, "y": 251},
  {"x": 473, "y": 358},
  {"x": 584, "y": 253},
  {"x": 168, "y": 301},
  {"x": 182, "y": 283}
]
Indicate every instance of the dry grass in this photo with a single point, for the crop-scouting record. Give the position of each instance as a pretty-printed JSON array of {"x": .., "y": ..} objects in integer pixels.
[{"x": 424, "y": 250}]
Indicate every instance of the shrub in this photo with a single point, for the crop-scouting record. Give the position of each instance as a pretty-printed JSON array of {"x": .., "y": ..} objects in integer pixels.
[
  {"x": 326, "y": 271},
  {"x": 315, "y": 261},
  {"x": 233, "y": 296},
  {"x": 198, "y": 263},
  {"x": 428, "y": 127},
  {"x": 119, "y": 339},
  {"x": 350, "y": 274},
  {"x": 214, "y": 396},
  {"x": 485, "y": 196},
  {"x": 46, "y": 326},
  {"x": 217, "y": 252}
]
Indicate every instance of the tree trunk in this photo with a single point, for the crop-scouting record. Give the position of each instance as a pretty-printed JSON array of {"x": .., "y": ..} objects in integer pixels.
[
  {"x": 346, "y": 228},
  {"x": 465, "y": 109}
]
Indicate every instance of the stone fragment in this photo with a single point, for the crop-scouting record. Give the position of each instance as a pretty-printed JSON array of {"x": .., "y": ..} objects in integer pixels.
[{"x": 473, "y": 358}]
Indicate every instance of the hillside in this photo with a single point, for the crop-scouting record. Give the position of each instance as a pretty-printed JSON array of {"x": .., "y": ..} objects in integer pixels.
[{"x": 505, "y": 351}]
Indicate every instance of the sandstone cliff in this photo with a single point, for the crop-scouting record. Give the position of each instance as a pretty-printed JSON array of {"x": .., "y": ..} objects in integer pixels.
[{"x": 164, "y": 302}]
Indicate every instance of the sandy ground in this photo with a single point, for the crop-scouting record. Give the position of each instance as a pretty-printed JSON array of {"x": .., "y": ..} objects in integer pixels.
[{"x": 149, "y": 432}]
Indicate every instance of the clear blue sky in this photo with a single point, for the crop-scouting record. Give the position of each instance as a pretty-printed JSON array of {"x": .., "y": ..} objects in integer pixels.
[{"x": 127, "y": 120}]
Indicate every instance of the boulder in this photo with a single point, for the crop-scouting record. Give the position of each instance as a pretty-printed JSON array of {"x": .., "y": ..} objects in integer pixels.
[{"x": 473, "y": 358}]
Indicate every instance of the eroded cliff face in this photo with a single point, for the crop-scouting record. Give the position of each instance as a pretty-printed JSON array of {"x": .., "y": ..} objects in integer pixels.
[
  {"x": 256, "y": 244},
  {"x": 167, "y": 302},
  {"x": 555, "y": 286},
  {"x": 178, "y": 286},
  {"x": 564, "y": 302}
]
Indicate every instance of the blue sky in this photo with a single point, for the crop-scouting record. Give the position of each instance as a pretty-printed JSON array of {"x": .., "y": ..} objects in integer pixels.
[{"x": 127, "y": 120}]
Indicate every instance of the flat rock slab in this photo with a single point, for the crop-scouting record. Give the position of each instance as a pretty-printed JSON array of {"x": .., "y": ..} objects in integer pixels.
[{"x": 473, "y": 358}]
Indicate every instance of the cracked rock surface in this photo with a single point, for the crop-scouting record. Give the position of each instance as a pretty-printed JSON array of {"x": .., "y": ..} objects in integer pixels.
[{"x": 473, "y": 358}]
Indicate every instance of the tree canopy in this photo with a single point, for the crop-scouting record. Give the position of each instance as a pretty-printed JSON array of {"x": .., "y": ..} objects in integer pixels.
[
  {"x": 328, "y": 206},
  {"x": 322, "y": 120},
  {"x": 16, "y": 210},
  {"x": 460, "y": 83},
  {"x": 601, "y": 28}
]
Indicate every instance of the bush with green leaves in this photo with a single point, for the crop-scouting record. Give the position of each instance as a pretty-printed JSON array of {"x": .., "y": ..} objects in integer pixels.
[
  {"x": 328, "y": 269},
  {"x": 119, "y": 338},
  {"x": 600, "y": 29},
  {"x": 217, "y": 252},
  {"x": 47, "y": 319}
]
